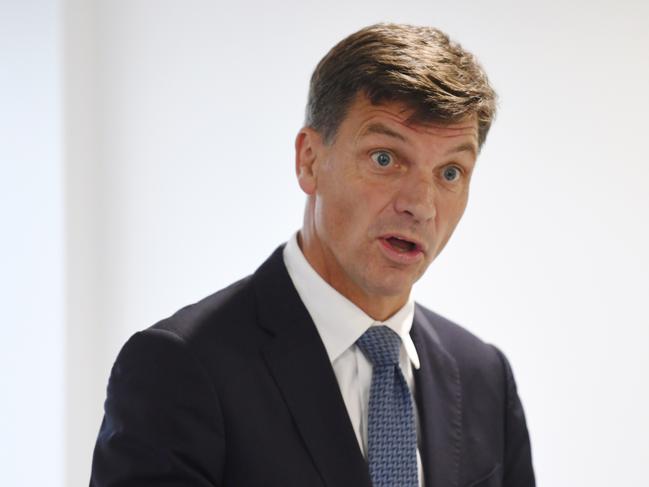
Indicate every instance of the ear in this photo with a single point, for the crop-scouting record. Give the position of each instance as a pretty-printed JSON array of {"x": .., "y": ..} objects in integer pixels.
[{"x": 308, "y": 144}]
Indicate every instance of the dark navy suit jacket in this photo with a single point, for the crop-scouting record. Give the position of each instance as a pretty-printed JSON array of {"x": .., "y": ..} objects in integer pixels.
[{"x": 237, "y": 390}]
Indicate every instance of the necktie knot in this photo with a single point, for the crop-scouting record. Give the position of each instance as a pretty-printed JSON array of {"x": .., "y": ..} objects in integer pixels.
[{"x": 380, "y": 345}]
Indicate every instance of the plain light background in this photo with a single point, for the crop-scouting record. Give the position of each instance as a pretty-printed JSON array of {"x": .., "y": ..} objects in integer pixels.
[{"x": 147, "y": 161}]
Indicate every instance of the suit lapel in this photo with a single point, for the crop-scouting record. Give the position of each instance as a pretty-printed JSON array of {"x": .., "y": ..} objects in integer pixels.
[
  {"x": 300, "y": 366},
  {"x": 439, "y": 401}
]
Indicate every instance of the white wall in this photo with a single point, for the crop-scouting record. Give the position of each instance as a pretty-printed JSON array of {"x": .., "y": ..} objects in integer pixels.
[
  {"x": 179, "y": 119},
  {"x": 31, "y": 246},
  {"x": 86, "y": 327}
]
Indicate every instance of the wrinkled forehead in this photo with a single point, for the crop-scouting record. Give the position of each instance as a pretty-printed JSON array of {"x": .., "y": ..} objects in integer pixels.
[
  {"x": 412, "y": 117},
  {"x": 395, "y": 120}
]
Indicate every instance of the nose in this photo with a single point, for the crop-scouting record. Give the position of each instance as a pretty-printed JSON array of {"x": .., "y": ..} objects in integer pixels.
[{"x": 416, "y": 197}]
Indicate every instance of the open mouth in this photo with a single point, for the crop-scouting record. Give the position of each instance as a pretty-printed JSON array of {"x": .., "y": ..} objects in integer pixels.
[{"x": 401, "y": 245}]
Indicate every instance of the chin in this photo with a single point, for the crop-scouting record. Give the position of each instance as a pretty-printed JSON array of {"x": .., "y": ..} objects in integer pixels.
[{"x": 389, "y": 287}]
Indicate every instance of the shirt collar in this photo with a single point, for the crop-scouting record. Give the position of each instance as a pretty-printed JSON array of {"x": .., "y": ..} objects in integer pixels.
[{"x": 339, "y": 321}]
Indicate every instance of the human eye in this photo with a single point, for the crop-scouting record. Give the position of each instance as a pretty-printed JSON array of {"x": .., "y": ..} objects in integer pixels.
[
  {"x": 382, "y": 158},
  {"x": 451, "y": 173}
]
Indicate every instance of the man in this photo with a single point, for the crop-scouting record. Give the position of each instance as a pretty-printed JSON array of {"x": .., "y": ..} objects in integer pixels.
[{"x": 319, "y": 369}]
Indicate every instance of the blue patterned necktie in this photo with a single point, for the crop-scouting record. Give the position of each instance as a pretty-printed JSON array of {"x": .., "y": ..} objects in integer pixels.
[{"x": 392, "y": 437}]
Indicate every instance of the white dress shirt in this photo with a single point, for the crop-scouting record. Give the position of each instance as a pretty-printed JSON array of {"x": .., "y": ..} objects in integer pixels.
[{"x": 340, "y": 323}]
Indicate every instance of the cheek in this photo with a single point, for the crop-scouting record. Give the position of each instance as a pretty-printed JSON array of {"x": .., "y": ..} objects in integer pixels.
[
  {"x": 345, "y": 211},
  {"x": 343, "y": 214},
  {"x": 451, "y": 208}
]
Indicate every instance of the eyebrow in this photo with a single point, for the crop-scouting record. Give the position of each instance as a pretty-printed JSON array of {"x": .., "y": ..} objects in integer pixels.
[
  {"x": 466, "y": 147},
  {"x": 379, "y": 128}
]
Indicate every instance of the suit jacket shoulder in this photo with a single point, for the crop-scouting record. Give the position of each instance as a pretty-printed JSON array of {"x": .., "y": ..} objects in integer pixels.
[
  {"x": 213, "y": 317},
  {"x": 476, "y": 359},
  {"x": 456, "y": 339}
]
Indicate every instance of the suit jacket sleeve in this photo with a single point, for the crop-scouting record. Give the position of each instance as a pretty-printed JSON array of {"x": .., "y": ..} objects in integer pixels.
[
  {"x": 162, "y": 422},
  {"x": 518, "y": 470}
]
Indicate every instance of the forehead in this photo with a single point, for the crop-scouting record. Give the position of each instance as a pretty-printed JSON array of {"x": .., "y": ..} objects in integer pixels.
[{"x": 394, "y": 118}]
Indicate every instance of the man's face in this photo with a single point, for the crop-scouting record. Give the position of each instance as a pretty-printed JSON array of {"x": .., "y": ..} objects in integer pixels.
[{"x": 385, "y": 197}]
